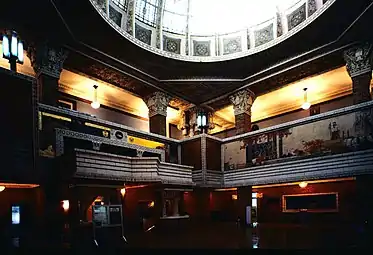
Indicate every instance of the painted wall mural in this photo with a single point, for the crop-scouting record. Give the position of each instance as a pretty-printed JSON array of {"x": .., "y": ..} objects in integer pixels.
[{"x": 335, "y": 135}]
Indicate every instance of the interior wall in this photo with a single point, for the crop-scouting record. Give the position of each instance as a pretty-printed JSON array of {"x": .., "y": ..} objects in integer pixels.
[
  {"x": 270, "y": 205},
  {"x": 324, "y": 107},
  {"x": 112, "y": 115}
]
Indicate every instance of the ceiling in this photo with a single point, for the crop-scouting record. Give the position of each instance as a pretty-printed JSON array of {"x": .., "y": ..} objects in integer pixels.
[{"x": 324, "y": 87}]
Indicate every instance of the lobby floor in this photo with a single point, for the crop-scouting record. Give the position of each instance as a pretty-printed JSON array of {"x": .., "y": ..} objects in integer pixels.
[{"x": 224, "y": 235}]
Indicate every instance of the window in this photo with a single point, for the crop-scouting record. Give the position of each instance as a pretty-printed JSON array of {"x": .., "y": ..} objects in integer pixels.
[
  {"x": 121, "y": 4},
  {"x": 146, "y": 11},
  {"x": 175, "y": 16}
]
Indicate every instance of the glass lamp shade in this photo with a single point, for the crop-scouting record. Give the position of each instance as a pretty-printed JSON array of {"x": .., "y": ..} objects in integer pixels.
[
  {"x": 6, "y": 51},
  {"x": 95, "y": 105},
  {"x": 306, "y": 105},
  {"x": 2, "y": 188}
]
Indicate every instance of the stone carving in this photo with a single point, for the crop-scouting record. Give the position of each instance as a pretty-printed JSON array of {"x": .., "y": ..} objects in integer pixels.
[
  {"x": 158, "y": 23},
  {"x": 143, "y": 34},
  {"x": 201, "y": 48},
  {"x": 157, "y": 103},
  {"x": 171, "y": 44},
  {"x": 312, "y": 7},
  {"x": 115, "y": 16},
  {"x": 242, "y": 101},
  {"x": 359, "y": 59},
  {"x": 296, "y": 17},
  {"x": 96, "y": 145},
  {"x": 130, "y": 16},
  {"x": 46, "y": 59},
  {"x": 182, "y": 121},
  {"x": 139, "y": 153},
  {"x": 264, "y": 35},
  {"x": 48, "y": 152},
  {"x": 279, "y": 24},
  {"x": 101, "y": 4},
  {"x": 232, "y": 45}
]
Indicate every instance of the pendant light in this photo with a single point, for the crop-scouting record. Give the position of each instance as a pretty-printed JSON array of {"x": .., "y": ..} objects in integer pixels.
[
  {"x": 95, "y": 104},
  {"x": 306, "y": 105}
]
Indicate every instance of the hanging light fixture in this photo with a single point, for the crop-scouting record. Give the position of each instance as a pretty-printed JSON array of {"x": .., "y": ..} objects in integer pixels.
[
  {"x": 12, "y": 49},
  {"x": 306, "y": 105},
  {"x": 95, "y": 103}
]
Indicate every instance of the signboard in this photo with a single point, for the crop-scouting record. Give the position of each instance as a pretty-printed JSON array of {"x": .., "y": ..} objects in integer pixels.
[
  {"x": 100, "y": 215},
  {"x": 115, "y": 215},
  {"x": 107, "y": 215}
]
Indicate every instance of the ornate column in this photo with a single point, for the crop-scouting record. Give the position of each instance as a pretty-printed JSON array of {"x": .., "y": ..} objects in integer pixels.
[
  {"x": 359, "y": 67},
  {"x": 130, "y": 26},
  {"x": 242, "y": 102},
  {"x": 157, "y": 104},
  {"x": 47, "y": 61},
  {"x": 159, "y": 25}
]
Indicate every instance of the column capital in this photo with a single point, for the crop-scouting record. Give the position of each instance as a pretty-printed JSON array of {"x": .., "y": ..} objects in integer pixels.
[
  {"x": 358, "y": 59},
  {"x": 157, "y": 103},
  {"x": 242, "y": 101},
  {"x": 47, "y": 59}
]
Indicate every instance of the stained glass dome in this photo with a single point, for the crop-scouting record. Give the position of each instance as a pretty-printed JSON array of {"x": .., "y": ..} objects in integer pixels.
[{"x": 208, "y": 30}]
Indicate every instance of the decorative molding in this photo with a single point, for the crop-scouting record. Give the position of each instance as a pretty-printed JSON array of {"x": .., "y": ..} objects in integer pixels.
[
  {"x": 312, "y": 7},
  {"x": 96, "y": 145},
  {"x": 232, "y": 45},
  {"x": 90, "y": 118},
  {"x": 139, "y": 153},
  {"x": 264, "y": 35},
  {"x": 242, "y": 101},
  {"x": 115, "y": 16},
  {"x": 201, "y": 48},
  {"x": 157, "y": 103},
  {"x": 62, "y": 133},
  {"x": 297, "y": 17},
  {"x": 47, "y": 59},
  {"x": 359, "y": 59},
  {"x": 187, "y": 57},
  {"x": 130, "y": 24},
  {"x": 143, "y": 34},
  {"x": 171, "y": 44}
]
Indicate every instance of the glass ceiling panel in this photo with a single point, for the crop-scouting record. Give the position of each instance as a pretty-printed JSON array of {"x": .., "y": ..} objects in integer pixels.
[{"x": 175, "y": 15}]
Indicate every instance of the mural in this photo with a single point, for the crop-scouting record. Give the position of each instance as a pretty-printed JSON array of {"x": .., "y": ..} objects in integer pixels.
[{"x": 341, "y": 134}]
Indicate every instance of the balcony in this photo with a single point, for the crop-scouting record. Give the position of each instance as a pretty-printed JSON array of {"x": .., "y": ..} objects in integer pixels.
[
  {"x": 328, "y": 145},
  {"x": 100, "y": 149},
  {"x": 334, "y": 144}
]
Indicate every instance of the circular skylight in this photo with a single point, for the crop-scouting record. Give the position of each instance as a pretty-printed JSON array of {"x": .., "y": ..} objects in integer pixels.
[{"x": 208, "y": 30}]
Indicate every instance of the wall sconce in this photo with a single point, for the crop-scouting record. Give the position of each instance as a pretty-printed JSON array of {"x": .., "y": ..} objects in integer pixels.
[
  {"x": 201, "y": 120},
  {"x": 306, "y": 105},
  {"x": 123, "y": 191},
  {"x": 95, "y": 103},
  {"x": 65, "y": 205},
  {"x": 234, "y": 197},
  {"x": 151, "y": 204},
  {"x": 2, "y": 188},
  {"x": 12, "y": 49},
  {"x": 303, "y": 184}
]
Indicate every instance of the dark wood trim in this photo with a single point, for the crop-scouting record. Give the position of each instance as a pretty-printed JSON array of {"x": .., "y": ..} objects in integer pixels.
[{"x": 65, "y": 96}]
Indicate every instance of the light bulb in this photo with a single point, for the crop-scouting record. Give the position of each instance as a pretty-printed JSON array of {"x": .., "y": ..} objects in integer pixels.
[
  {"x": 303, "y": 184},
  {"x": 2, "y": 188},
  {"x": 65, "y": 205},
  {"x": 306, "y": 105},
  {"x": 123, "y": 191},
  {"x": 95, "y": 105}
]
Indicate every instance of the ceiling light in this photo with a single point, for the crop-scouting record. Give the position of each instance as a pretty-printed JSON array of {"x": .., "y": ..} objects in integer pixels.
[
  {"x": 303, "y": 184},
  {"x": 306, "y": 105},
  {"x": 95, "y": 104},
  {"x": 2, "y": 188}
]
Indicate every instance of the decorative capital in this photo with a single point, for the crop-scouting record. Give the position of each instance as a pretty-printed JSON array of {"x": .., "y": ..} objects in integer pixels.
[
  {"x": 358, "y": 59},
  {"x": 157, "y": 103},
  {"x": 242, "y": 101},
  {"x": 46, "y": 59}
]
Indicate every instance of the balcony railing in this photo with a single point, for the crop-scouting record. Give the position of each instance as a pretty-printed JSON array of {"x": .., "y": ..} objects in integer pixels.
[
  {"x": 341, "y": 131},
  {"x": 62, "y": 129}
]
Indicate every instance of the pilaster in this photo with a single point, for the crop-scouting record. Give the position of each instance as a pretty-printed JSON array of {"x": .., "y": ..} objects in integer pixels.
[
  {"x": 242, "y": 102},
  {"x": 130, "y": 26},
  {"x": 157, "y": 104},
  {"x": 359, "y": 67},
  {"x": 47, "y": 61}
]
